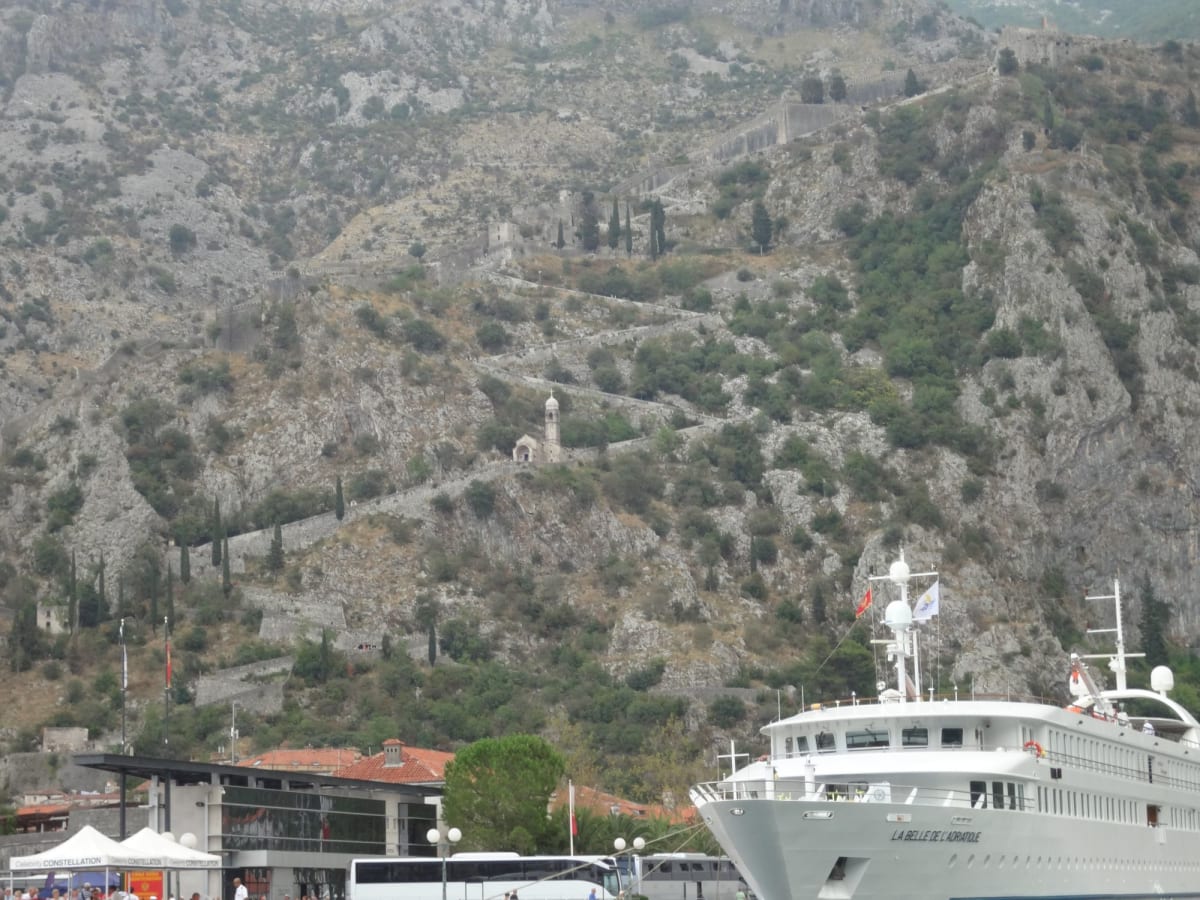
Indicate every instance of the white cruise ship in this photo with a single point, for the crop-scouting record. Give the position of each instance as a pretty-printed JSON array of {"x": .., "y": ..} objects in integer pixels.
[{"x": 918, "y": 798}]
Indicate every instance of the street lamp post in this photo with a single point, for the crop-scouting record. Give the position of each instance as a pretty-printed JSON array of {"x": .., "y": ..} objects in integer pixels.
[
  {"x": 639, "y": 844},
  {"x": 451, "y": 836}
]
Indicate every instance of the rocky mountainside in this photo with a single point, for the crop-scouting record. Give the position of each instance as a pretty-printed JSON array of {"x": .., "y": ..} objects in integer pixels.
[
  {"x": 1139, "y": 20},
  {"x": 811, "y": 282}
]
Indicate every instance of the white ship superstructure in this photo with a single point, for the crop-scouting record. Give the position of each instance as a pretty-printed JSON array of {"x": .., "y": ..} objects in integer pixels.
[{"x": 925, "y": 798}]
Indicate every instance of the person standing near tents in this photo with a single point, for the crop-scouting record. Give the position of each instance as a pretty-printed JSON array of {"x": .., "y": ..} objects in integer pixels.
[{"x": 239, "y": 890}]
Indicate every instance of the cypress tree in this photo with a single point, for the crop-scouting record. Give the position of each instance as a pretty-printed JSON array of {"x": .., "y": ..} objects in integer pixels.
[
  {"x": 275, "y": 554},
  {"x": 339, "y": 502},
  {"x": 154, "y": 587},
  {"x": 170, "y": 597},
  {"x": 912, "y": 86},
  {"x": 1191, "y": 115},
  {"x": 614, "y": 227},
  {"x": 226, "y": 581},
  {"x": 432, "y": 643},
  {"x": 101, "y": 600},
  {"x": 185, "y": 564},
  {"x": 658, "y": 229},
  {"x": 217, "y": 533},
  {"x": 561, "y": 242},
  {"x": 73, "y": 599},
  {"x": 761, "y": 226},
  {"x": 628, "y": 232},
  {"x": 122, "y": 605}
]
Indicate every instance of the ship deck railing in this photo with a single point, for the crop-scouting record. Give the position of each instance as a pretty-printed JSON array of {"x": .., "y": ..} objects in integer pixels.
[{"x": 802, "y": 790}]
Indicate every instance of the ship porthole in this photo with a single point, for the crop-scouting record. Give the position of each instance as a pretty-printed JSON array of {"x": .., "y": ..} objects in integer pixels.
[
  {"x": 971, "y": 861},
  {"x": 953, "y": 861}
]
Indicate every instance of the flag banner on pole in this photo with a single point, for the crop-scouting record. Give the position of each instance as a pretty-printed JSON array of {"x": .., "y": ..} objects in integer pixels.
[
  {"x": 571, "y": 802},
  {"x": 168, "y": 662},
  {"x": 863, "y": 605},
  {"x": 927, "y": 604},
  {"x": 124, "y": 660}
]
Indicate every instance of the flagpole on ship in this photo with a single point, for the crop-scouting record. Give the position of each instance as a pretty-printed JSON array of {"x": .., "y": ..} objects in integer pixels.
[{"x": 124, "y": 689}]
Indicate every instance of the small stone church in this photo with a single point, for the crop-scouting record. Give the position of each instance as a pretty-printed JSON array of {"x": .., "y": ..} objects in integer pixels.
[{"x": 529, "y": 449}]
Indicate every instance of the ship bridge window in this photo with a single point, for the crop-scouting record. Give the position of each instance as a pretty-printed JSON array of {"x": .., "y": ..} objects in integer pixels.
[
  {"x": 787, "y": 746},
  {"x": 915, "y": 737},
  {"x": 860, "y": 740},
  {"x": 825, "y": 742},
  {"x": 952, "y": 737},
  {"x": 802, "y": 744}
]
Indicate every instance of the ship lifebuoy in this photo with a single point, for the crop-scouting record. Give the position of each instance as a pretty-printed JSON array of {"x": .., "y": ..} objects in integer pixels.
[{"x": 1036, "y": 748}]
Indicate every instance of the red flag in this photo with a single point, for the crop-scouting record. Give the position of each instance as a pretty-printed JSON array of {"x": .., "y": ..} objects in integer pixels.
[
  {"x": 863, "y": 604},
  {"x": 574, "y": 826},
  {"x": 168, "y": 662}
]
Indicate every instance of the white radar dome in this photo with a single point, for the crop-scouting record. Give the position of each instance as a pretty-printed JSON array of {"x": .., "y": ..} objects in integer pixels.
[
  {"x": 1162, "y": 679},
  {"x": 897, "y": 614},
  {"x": 898, "y": 572}
]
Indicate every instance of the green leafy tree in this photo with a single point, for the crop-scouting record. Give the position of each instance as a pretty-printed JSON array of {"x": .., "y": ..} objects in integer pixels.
[
  {"x": 182, "y": 239},
  {"x": 812, "y": 89},
  {"x": 614, "y": 227},
  {"x": 497, "y": 790},
  {"x": 275, "y": 553},
  {"x": 1006, "y": 62},
  {"x": 339, "y": 501},
  {"x": 24, "y": 640},
  {"x": 318, "y": 663},
  {"x": 761, "y": 226}
]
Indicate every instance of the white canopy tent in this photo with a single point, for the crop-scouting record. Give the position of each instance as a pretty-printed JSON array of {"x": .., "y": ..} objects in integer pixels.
[
  {"x": 87, "y": 849},
  {"x": 173, "y": 854}
]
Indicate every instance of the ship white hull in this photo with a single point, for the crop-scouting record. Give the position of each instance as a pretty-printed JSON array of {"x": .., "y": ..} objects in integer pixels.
[{"x": 790, "y": 850}]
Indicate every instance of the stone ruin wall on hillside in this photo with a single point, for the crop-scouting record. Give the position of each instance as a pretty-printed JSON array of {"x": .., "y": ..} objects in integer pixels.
[{"x": 1046, "y": 48}]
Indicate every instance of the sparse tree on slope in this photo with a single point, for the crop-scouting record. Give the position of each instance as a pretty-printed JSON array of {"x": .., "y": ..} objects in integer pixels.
[
  {"x": 761, "y": 226},
  {"x": 614, "y": 227},
  {"x": 275, "y": 553}
]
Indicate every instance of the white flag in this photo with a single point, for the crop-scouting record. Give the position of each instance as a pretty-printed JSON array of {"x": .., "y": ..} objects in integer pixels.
[{"x": 927, "y": 605}]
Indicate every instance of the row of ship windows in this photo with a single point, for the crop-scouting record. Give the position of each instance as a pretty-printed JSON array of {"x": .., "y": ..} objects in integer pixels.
[
  {"x": 1115, "y": 759},
  {"x": 826, "y": 742},
  {"x": 1073, "y": 862},
  {"x": 1076, "y": 804}
]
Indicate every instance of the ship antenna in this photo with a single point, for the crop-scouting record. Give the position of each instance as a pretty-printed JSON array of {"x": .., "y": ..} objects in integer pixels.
[
  {"x": 1116, "y": 661},
  {"x": 899, "y": 618}
]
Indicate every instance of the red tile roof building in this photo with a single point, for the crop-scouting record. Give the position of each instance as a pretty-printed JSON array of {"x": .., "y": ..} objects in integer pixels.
[
  {"x": 324, "y": 760},
  {"x": 600, "y": 803},
  {"x": 400, "y": 764}
]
